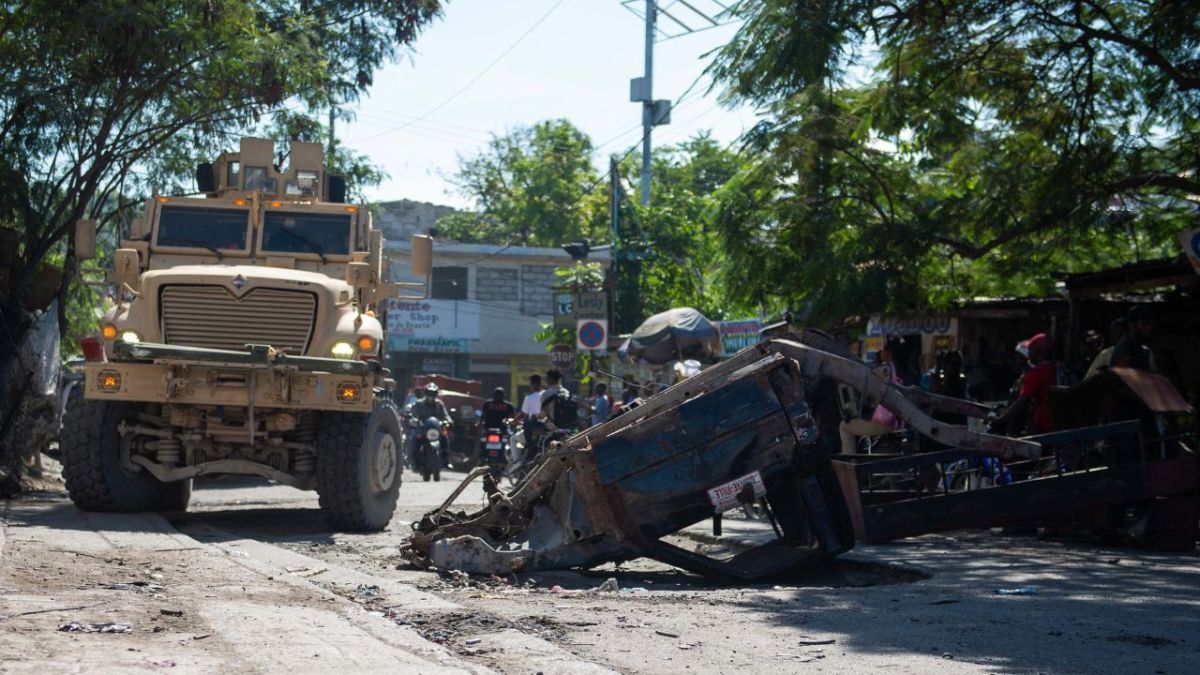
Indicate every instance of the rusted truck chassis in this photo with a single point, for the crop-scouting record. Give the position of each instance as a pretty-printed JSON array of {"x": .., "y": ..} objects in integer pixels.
[{"x": 761, "y": 429}]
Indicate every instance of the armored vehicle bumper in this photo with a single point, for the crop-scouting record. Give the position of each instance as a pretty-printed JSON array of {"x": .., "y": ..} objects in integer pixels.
[{"x": 256, "y": 377}]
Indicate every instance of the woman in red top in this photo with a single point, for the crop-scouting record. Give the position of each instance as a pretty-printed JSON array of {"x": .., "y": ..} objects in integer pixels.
[{"x": 1034, "y": 397}]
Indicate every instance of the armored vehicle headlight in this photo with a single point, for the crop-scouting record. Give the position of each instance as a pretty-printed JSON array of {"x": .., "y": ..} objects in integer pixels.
[
  {"x": 366, "y": 344},
  {"x": 342, "y": 350},
  {"x": 131, "y": 336},
  {"x": 108, "y": 331},
  {"x": 433, "y": 434}
]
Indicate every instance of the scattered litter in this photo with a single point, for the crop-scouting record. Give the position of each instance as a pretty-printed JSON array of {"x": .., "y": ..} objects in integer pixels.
[
  {"x": 947, "y": 655},
  {"x": 813, "y": 643},
  {"x": 556, "y": 589},
  {"x": 666, "y": 634},
  {"x": 168, "y": 663},
  {"x": 1142, "y": 640},
  {"x": 459, "y": 578},
  {"x": 609, "y": 586},
  {"x": 944, "y": 601},
  {"x": 1023, "y": 590},
  {"x": 136, "y": 586},
  {"x": 170, "y": 612},
  {"x": 474, "y": 641},
  {"x": 802, "y": 658},
  {"x": 685, "y": 646},
  {"x": 204, "y": 636},
  {"x": 76, "y": 627},
  {"x": 635, "y": 589},
  {"x": 366, "y": 591}
]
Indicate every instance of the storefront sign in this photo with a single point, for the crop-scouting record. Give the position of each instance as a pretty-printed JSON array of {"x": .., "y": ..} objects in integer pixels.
[
  {"x": 440, "y": 319},
  {"x": 737, "y": 335},
  {"x": 428, "y": 345},
  {"x": 933, "y": 325},
  {"x": 569, "y": 308}
]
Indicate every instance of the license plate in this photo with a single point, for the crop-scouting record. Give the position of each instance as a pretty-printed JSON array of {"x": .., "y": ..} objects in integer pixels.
[{"x": 492, "y": 446}]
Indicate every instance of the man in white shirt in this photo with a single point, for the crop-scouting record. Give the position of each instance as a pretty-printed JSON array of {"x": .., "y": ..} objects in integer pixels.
[{"x": 531, "y": 407}]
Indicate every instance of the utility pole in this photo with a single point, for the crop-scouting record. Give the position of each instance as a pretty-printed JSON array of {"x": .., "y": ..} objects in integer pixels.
[
  {"x": 648, "y": 103},
  {"x": 684, "y": 17},
  {"x": 614, "y": 205},
  {"x": 641, "y": 90}
]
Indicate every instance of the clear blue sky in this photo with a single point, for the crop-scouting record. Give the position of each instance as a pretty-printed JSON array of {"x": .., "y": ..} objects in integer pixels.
[{"x": 576, "y": 65}]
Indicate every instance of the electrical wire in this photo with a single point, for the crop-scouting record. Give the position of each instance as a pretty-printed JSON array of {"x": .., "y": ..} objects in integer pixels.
[{"x": 473, "y": 80}]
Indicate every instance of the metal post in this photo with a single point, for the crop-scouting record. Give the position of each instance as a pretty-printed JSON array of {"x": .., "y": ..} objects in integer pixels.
[
  {"x": 614, "y": 177},
  {"x": 648, "y": 104}
]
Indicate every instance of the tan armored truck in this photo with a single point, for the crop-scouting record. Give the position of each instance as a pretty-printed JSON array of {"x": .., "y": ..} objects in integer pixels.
[{"x": 244, "y": 341}]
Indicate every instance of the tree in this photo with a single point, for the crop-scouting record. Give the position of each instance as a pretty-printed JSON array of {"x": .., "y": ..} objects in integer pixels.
[
  {"x": 103, "y": 103},
  {"x": 918, "y": 152},
  {"x": 671, "y": 251},
  {"x": 533, "y": 186}
]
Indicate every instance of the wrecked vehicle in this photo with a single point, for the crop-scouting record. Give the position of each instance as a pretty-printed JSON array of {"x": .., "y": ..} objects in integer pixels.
[{"x": 757, "y": 429}]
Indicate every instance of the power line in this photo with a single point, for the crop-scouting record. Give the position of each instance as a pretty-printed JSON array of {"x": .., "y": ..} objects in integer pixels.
[{"x": 473, "y": 80}]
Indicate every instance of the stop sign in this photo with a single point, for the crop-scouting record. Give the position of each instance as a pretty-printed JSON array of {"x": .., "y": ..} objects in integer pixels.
[{"x": 562, "y": 356}]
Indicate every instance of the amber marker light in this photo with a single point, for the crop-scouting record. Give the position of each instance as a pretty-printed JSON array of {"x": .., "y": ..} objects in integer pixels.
[
  {"x": 108, "y": 331},
  {"x": 276, "y": 205},
  {"x": 351, "y": 209},
  {"x": 239, "y": 202},
  {"x": 366, "y": 344},
  {"x": 108, "y": 381},
  {"x": 163, "y": 200},
  {"x": 347, "y": 393}
]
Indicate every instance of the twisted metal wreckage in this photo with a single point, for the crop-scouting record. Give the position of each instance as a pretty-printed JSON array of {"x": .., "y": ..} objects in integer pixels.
[{"x": 761, "y": 428}]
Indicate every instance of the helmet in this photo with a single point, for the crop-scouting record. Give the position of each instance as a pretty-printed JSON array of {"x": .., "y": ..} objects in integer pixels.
[
  {"x": 498, "y": 393},
  {"x": 431, "y": 389}
]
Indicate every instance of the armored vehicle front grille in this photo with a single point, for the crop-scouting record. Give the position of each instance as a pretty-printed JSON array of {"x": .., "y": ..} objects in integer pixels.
[{"x": 210, "y": 316}]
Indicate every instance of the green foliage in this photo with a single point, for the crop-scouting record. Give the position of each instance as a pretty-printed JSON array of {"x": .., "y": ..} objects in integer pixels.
[
  {"x": 917, "y": 153},
  {"x": 684, "y": 263},
  {"x": 106, "y": 102},
  {"x": 530, "y": 187}
]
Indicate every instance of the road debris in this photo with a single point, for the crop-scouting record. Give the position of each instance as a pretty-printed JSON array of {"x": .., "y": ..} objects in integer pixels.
[
  {"x": 610, "y": 585},
  {"x": 136, "y": 586},
  {"x": 665, "y": 634},
  {"x": 76, "y": 627},
  {"x": 170, "y": 612},
  {"x": 1023, "y": 590}
]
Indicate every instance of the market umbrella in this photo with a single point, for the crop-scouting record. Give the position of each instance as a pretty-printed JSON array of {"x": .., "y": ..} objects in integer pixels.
[{"x": 679, "y": 333}]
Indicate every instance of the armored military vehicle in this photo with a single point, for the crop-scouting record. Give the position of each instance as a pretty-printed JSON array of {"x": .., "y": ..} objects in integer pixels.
[{"x": 244, "y": 340}]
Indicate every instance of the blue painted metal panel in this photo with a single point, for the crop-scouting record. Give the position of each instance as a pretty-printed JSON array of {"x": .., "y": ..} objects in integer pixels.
[{"x": 696, "y": 422}]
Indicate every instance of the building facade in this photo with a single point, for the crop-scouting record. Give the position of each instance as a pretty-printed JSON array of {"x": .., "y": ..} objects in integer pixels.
[{"x": 486, "y": 303}]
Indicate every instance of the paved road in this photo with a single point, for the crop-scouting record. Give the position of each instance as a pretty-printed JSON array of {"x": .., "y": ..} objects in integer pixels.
[{"x": 265, "y": 587}]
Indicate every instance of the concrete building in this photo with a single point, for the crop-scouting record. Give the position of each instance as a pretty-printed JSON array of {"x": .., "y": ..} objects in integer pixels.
[
  {"x": 486, "y": 304},
  {"x": 403, "y": 218}
]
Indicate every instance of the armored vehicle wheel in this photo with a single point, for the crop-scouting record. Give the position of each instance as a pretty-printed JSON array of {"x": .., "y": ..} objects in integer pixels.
[
  {"x": 91, "y": 456},
  {"x": 358, "y": 467}
]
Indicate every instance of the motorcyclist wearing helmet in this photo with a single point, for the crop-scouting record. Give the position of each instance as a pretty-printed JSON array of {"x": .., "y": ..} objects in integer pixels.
[
  {"x": 495, "y": 411},
  {"x": 429, "y": 405}
]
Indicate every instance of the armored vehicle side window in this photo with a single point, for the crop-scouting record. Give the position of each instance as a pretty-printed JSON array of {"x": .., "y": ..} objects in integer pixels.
[
  {"x": 190, "y": 227},
  {"x": 320, "y": 233}
]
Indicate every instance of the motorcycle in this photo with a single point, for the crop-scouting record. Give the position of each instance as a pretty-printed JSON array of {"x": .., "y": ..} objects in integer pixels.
[
  {"x": 431, "y": 440},
  {"x": 495, "y": 444},
  {"x": 525, "y": 453}
]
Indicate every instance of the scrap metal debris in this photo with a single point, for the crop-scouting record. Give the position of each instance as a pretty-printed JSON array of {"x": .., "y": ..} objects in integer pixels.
[
  {"x": 759, "y": 432},
  {"x": 744, "y": 432}
]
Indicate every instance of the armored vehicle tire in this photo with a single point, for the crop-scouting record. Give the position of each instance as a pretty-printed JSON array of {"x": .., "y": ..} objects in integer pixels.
[
  {"x": 358, "y": 467},
  {"x": 96, "y": 481}
]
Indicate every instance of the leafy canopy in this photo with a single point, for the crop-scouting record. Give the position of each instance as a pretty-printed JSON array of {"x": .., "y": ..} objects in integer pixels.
[{"x": 918, "y": 152}]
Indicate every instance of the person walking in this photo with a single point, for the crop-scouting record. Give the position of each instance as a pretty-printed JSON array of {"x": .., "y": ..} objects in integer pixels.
[{"x": 601, "y": 405}]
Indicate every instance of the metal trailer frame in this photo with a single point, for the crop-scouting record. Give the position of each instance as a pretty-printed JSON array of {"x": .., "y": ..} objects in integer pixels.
[{"x": 614, "y": 491}]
